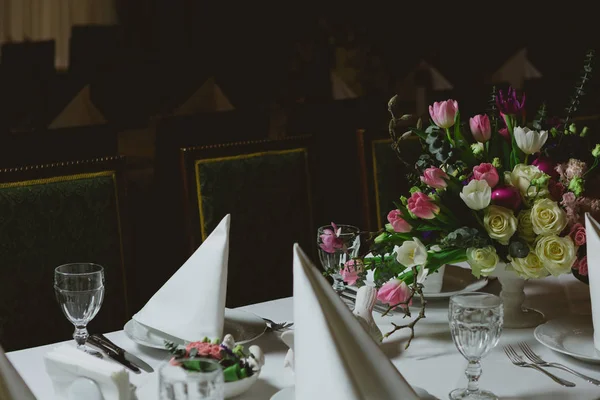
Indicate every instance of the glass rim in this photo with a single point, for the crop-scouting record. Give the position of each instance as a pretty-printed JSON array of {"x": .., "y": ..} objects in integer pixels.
[
  {"x": 454, "y": 299},
  {"x": 354, "y": 228},
  {"x": 99, "y": 269}
]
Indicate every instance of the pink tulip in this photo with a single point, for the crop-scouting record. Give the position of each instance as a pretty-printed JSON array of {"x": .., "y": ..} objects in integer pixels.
[
  {"x": 331, "y": 240},
  {"x": 505, "y": 134},
  {"x": 480, "y": 128},
  {"x": 422, "y": 206},
  {"x": 507, "y": 196},
  {"x": 546, "y": 165},
  {"x": 393, "y": 292},
  {"x": 486, "y": 172},
  {"x": 350, "y": 272},
  {"x": 399, "y": 224},
  {"x": 435, "y": 177},
  {"x": 442, "y": 113}
]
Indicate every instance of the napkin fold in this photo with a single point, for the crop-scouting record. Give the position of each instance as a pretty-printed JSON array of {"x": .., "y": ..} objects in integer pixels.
[
  {"x": 334, "y": 357},
  {"x": 65, "y": 364},
  {"x": 191, "y": 304},
  {"x": 592, "y": 231},
  {"x": 12, "y": 386}
]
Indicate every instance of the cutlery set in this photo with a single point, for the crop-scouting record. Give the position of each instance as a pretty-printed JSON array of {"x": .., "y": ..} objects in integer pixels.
[
  {"x": 537, "y": 363},
  {"x": 118, "y": 354}
]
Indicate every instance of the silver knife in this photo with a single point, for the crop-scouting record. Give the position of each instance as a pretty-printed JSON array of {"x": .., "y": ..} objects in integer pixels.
[{"x": 125, "y": 354}]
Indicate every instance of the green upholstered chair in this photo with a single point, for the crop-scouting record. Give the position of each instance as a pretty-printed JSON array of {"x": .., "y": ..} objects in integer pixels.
[
  {"x": 383, "y": 175},
  {"x": 51, "y": 215},
  {"x": 266, "y": 187}
]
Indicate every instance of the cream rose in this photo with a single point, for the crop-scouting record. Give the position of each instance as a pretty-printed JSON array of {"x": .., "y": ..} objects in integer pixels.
[
  {"x": 521, "y": 177},
  {"x": 529, "y": 267},
  {"x": 525, "y": 227},
  {"x": 500, "y": 223},
  {"x": 547, "y": 217},
  {"x": 557, "y": 254},
  {"x": 483, "y": 261}
]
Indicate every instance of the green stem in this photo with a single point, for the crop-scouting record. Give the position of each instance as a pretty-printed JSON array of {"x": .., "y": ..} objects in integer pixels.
[
  {"x": 478, "y": 218},
  {"x": 594, "y": 165},
  {"x": 526, "y": 159},
  {"x": 449, "y": 137}
]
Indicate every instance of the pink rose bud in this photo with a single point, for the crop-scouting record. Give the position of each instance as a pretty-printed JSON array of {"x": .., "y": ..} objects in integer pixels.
[
  {"x": 435, "y": 177},
  {"x": 393, "y": 292},
  {"x": 507, "y": 196},
  {"x": 480, "y": 128},
  {"x": 422, "y": 206},
  {"x": 582, "y": 266},
  {"x": 486, "y": 172},
  {"x": 578, "y": 234},
  {"x": 442, "y": 113},
  {"x": 399, "y": 224}
]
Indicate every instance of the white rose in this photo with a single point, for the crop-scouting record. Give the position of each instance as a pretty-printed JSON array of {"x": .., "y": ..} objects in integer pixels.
[
  {"x": 529, "y": 141},
  {"x": 529, "y": 267},
  {"x": 500, "y": 223},
  {"x": 477, "y": 194},
  {"x": 411, "y": 253},
  {"x": 482, "y": 261},
  {"x": 556, "y": 253},
  {"x": 521, "y": 177},
  {"x": 525, "y": 228},
  {"x": 547, "y": 217}
]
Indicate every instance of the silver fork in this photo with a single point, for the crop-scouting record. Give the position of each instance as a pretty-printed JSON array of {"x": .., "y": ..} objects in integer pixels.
[
  {"x": 518, "y": 361},
  {"x": 537, "y": 360}
]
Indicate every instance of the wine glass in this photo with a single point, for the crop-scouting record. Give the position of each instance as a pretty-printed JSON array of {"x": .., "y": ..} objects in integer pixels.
[
  {"x": 476, "y": 321},
  {"x": 191, "y": 379},
  {"x": 79, "y": 289},
  {"x": 333, "y": 256}
]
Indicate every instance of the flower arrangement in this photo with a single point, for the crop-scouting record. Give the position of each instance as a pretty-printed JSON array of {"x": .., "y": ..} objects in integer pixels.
[
  {"x": 496, "y": 190},
  {"x": 236, "y": 363}
]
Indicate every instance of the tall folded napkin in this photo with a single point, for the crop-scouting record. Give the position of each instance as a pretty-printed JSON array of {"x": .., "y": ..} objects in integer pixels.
[
  {"x": 592, "y": 231},
  {"x": 191, "y": 305},
  {"x": 335, "y": 358},
  {"x": 12, "y": 386},
  {"x": 65, "y": 364}
]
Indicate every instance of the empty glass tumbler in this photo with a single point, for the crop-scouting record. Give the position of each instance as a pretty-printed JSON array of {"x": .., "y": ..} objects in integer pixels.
[{"x": 192, "y": 379}]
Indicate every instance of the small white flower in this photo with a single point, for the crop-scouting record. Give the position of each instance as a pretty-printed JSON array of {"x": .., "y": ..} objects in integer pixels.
[
  {"x": 435, "y": 248},
  {"x": 411, "y": 253},
  {"x": 477, "y": 194},
  {"x": 529, "y": 141}
]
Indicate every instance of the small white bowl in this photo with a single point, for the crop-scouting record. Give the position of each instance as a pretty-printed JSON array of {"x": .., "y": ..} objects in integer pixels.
[{"x": 236, "y": 388}]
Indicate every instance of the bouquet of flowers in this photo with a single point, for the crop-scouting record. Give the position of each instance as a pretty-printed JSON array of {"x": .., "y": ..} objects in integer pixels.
[{"x": 497, "y": 191}]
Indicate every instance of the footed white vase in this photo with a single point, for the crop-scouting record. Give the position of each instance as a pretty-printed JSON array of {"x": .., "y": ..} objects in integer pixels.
[
  {"x": 363, "y": 311},
  {"x": 513, "y": 297}
]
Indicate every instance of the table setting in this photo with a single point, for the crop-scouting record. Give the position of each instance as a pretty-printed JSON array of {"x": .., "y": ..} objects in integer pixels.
[{"x": 481, "y": 285}]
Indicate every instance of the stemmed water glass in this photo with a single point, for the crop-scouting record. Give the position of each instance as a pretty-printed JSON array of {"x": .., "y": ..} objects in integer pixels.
[
  {"x": 476, "y": 321},
  {"x": 79, "y": 289},
  {"x": 338, "y": 244},
  {"x": 191, "y": 379}
]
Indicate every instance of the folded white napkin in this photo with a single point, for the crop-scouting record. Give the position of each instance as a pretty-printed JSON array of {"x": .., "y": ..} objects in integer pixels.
[
  {"x": 66, "y": 364},
  {"x": 12, "y": 386},
  {"x": 191, "y": 305},
  {"x": 592, "y": 231},
  {"x": 335, "y": 358}
]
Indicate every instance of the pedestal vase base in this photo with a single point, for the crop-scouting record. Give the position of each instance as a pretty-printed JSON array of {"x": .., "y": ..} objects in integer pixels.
[{"x": 463, "y": 394}]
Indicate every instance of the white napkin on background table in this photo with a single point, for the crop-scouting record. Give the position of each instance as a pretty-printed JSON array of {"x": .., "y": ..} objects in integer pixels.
[
  {"x": 592, "y": 231},
  {"x": 335, "y": 358},
  {"x": 12, "y": 386},
  {"x": 191, "y": 304},
  {"x": 65, "y": 364}
]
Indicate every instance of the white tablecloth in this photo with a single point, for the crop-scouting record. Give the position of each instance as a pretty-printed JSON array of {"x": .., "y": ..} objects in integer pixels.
[{"x": 431, "y": 362}]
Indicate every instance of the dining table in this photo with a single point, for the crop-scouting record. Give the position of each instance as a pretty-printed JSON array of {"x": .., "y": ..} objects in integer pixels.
[{"x": 431, "y": 362}]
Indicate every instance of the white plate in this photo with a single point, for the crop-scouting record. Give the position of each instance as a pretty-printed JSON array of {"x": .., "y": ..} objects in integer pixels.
[
  {"x": 457, "y": 280},
  {"x": 573, "y": 335},
  {"x": 243, "y": 326},
  {"x": 288, "y": 394}
]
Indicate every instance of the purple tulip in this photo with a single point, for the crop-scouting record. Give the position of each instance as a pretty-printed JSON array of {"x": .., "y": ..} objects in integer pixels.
[
  {"x": 510, "y": 104},
  {"x": 546, "y": 165},
  {"x": 507, "y": 196}
]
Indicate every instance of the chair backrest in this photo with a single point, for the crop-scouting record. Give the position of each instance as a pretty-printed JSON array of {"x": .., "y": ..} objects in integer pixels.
[
  {"x": 383, "y": 175},
  {"x": 51, "y": 215},
  {"x": 57, "y": 145},
  {"x": 266, "y": 187}
]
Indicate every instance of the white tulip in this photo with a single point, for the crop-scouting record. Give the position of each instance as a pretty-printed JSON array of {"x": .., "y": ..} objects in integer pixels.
[
  {"x": 529, "y": 141},
  {"x": 477, "y": 194},
  {"x": 411, "y": 253}
]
